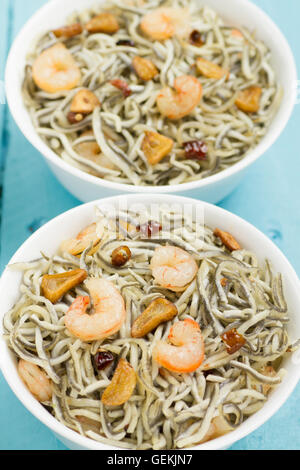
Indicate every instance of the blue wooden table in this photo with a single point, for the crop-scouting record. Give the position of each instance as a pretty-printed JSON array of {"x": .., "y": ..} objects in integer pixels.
[{"x": 268, "y": 198}]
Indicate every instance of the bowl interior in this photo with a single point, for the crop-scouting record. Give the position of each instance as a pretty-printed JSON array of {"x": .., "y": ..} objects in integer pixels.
[
  {"x": 235, "y": 13},
  {"x": 67, "y": 225}
]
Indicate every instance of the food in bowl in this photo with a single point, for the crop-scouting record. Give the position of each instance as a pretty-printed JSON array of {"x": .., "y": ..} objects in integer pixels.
[
  {"x": 151, "y": 95},
  {"x": 145, "y": 332}
]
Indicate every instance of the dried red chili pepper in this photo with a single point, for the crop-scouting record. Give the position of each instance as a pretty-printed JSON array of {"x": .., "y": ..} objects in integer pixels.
[
  {"x": 125, "y": 42},
  {"x": 102, "y": 359},
  {"x": 195, "y": 150},
  {"x": 233, "y": 340},
  {"x": 121, "y": 85},
  {"x": 149, "y": 228},
  {"x": 75, "y": 118},
  {"x": 196, "y": 38}
]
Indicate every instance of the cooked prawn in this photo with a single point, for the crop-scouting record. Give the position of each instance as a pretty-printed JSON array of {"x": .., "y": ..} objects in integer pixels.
[
  {"x": 236, "y": 33},
  {"x": 164, "y": 23},
  {"x": 86, "y": 237},
  {"x": 186, "y": 351},
  {"x": 91, "y": 151},
  {"x": 55, "y": 70},
  {"x": 181, "y": 102},
  {"x": 173, "y": 268},
  {"x": 108, "y": 316},
  {"x": 218, "y": 427},
  {"x": 36, "y": 380}
]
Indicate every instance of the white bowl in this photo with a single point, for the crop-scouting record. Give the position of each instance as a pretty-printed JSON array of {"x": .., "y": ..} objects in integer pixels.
[
  {"x": 67, "y": 225},
  {"x": 212, "y": 189}
]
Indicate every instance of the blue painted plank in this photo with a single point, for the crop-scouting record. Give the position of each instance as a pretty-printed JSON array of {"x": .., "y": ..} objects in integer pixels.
[
  {"x": 268, "y": 198},
  {"x": 31, "y": 194},
  {"x": 5, "y": 28},
  {"x": 5, "y": 24}
]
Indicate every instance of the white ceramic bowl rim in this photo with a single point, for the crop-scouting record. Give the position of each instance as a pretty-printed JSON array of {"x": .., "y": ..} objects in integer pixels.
[
  {"x": 14, "y": 96},
  {"x": 226, "y": 441}
]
